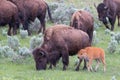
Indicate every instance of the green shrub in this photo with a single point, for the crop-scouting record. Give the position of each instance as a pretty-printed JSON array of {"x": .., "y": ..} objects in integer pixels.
[
  {"x": 24, "y": 51},
  {"x": 36, "y": 41},
  {"x": 112, "y": 47},
  {"x": 107, "y": 31},
  {"x": 7, "y": 52},
  {"x": 117, "y": 37},
  {"x": 23, "y": 33},
  {"x": 13, "y": 42},
  {"x": 4, "y": 32}
]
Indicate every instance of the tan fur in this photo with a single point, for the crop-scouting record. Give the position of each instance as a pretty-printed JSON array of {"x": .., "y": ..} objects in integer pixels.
[{"x": 93, "y": 53}]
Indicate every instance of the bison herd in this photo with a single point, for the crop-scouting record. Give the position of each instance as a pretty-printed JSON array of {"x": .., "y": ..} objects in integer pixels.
[
  {"x": 60, "y": 41},
  {"x": 14, "y": 12}
]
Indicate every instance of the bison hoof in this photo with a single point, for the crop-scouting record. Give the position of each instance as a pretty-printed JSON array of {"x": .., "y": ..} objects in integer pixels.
[
  {"x": 64, "y": 68},
  {"x": 77, "y": 69},
  {"x": 84, "y": 68}
]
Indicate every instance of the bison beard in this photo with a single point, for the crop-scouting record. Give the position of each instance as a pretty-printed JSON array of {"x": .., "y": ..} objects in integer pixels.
[
  {"x": 60, "y": 41},
  {"x": 40, "y": 59}
]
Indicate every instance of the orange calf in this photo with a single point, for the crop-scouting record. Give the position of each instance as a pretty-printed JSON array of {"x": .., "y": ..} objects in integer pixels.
[{"x": 92, "y": 53}]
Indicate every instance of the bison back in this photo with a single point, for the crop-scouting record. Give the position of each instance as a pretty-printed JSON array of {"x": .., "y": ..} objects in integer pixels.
[{"x": 62, "y": 36}]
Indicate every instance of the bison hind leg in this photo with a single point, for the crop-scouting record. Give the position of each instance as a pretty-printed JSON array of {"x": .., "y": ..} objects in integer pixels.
[{"x": 98, "y": 62}]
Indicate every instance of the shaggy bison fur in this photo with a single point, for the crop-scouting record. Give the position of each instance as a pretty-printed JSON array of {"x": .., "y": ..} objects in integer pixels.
[
  {"x": 59, "y": 41},
  {"x": 84, "y": 21},
  {"x": 31, "y": 9},
  {"x": 109, "y": 9},
  {"x": 9, "y": 15}
]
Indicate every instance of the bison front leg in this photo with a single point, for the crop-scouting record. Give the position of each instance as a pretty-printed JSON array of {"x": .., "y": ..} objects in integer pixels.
[
  {"x": 14, "y": 30},
  {"x": 42, "y": 21},
  {"x": 9, "y": 29},
  {"x": 50, "y": 67},
  {"x": 65, "y": 59},
  {"x": 106, "y": 25},
  {"x": 112, "y": 22},
  {"x": 26, "y": 26}
]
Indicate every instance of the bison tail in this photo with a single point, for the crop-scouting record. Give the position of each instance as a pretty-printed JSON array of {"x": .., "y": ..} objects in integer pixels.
[{"x": 49, "y": 13}]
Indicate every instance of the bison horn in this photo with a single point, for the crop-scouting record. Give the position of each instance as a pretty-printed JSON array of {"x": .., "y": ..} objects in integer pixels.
[
  {"x": 105, "y": 7},
  {"x": 95, "y": 6}
]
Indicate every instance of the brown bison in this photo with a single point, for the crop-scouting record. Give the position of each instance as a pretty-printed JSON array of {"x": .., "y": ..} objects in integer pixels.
[
  {"x": 59, "y": 41},
  {"x": 31, "y": 9},
  {"x": 109, "y": 9},
  {"x": 93, "y": 53},
  {"x": 84, "y": 21},
  {"x": 9, "y": 15}
]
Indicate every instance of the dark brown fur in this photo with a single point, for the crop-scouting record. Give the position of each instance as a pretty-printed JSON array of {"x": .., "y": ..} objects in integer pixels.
[
  {"x": 110, "y": 9},
  {"x": 31, "y": 9},
  {"x": 84, "y": 21},
  {"x": 60, "y": 41},
  {"x": 9, "y": 15}
]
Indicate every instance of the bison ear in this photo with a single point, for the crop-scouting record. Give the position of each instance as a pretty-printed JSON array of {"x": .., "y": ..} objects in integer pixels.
[{"x": 95, "y": 6}]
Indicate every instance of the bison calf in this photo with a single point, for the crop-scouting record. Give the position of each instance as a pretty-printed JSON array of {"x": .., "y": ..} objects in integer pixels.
[
  {"x": 92, "y": 53},
  {"x": 59, "y": 41}
]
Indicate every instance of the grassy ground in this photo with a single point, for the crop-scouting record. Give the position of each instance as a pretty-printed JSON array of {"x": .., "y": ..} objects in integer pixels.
[{"x": 26, "y": 70}]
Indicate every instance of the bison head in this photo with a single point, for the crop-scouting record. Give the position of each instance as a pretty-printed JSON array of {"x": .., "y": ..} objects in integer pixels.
[
  {"x": 40, "y": 57},
  {"x": 83, "y": 55},
  {"x": 102, "y": 10}
]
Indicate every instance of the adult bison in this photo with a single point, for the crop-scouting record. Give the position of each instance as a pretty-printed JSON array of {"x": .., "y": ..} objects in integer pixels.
[
  {"x": 84, "y": 21},
  {"x": 59, "y": 41},
  {"x": 109, "y": 9},
  {"x": 9, "y": 15},
  {"x": 31, "y": 9}
]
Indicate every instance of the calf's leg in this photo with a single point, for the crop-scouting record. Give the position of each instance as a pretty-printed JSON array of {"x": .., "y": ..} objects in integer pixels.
[
  {"x": 90, "y": 65},
  {"x": 98, "y": 62},
  {"x": 77, "y": 68},
  {"x": 104, "y": 64}
]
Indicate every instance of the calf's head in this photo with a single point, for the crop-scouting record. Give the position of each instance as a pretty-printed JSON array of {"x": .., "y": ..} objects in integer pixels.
[
  {"x": 40, "y": 57},
  {"x": 83, "y": 55},
  {"x": 102, "y": 10}
]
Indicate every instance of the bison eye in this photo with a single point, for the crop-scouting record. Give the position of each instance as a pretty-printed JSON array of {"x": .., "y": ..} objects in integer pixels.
[
  {"x": 81, "y": 54},
  {"x": 42, "y": 54}
]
